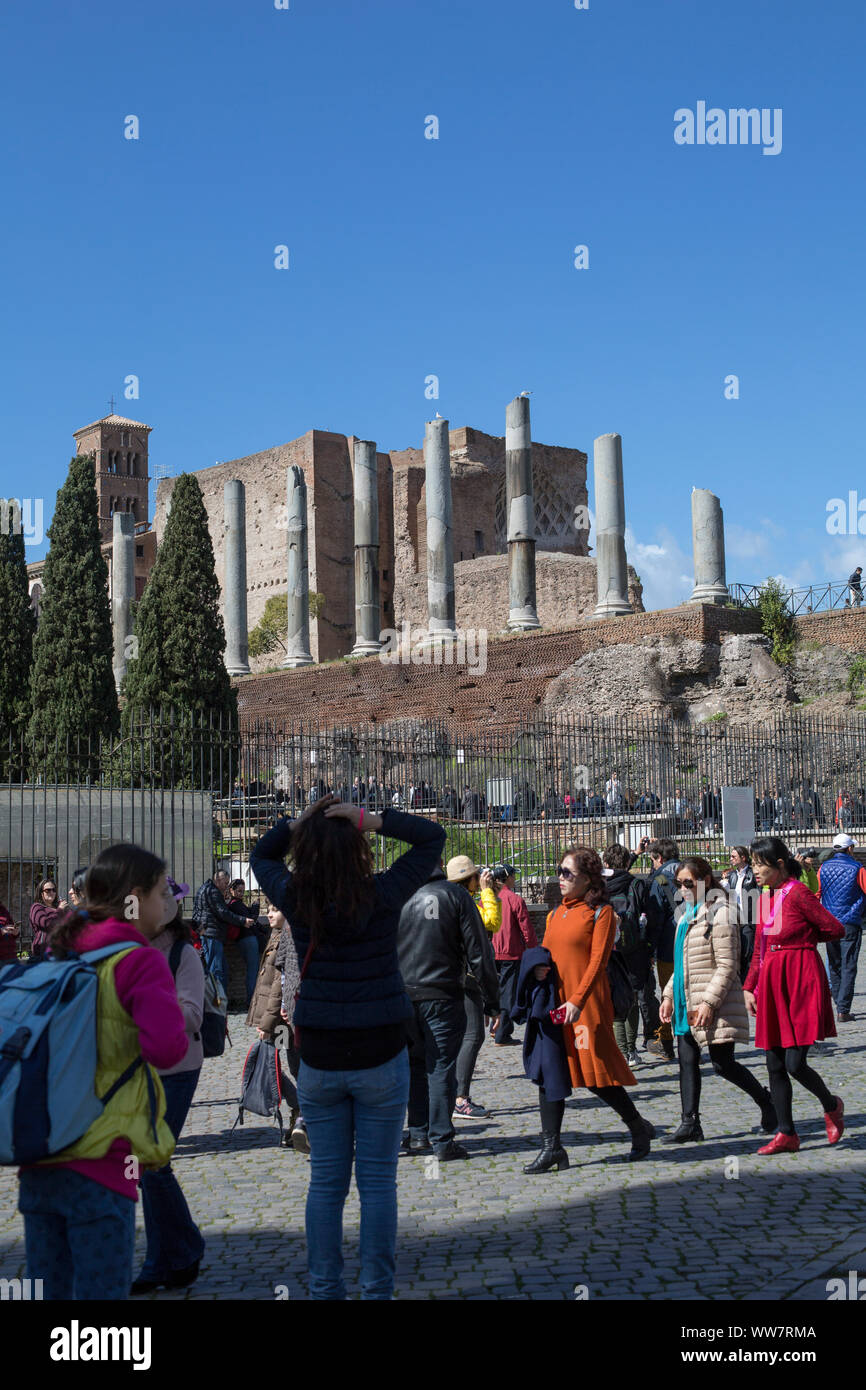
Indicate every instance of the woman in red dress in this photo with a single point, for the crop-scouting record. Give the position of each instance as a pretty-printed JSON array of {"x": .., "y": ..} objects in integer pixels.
[
  {"x": 579, "y": 936},
  {"x": 786, "y": 988}
]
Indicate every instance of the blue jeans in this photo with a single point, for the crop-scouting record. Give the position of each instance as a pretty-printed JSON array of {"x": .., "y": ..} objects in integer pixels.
[
  {"x": 842, "y": 966},
  {"x": 79, "y": 1235},
  {"x": 437, "y": 1032},
  {"x": 361, "y": 1111},
  {"x": 248, "y": 945},
  {"x": 174, "y": 1241},
  {"x": 214, "y": 954}
]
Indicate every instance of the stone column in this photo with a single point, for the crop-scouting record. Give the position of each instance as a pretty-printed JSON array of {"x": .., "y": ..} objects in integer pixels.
[
  {"x": 122, "y": 587},
  {"x": 611, "y": 568},
  {"x": 298, "y": 637},
  {"x": 708, "y": 545},
  {"x": 237, "y": 661},
  {"x": 520, "y": 510},
  {"x": 440, "y": 530},
  {"x": 367, "y": 607}
]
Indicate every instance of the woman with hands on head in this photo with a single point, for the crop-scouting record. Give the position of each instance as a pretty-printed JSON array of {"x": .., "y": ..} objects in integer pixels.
[
  {"x": 350, "y": 1018},
  {"x": 703, "y": 999},
  {"x": 580, "y": 935}
]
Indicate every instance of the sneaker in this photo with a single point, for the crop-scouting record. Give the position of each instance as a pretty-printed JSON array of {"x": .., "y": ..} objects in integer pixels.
[
  {"x": 450, "y": 1151},
  {"x": 845, "y": 1017},
  {"x": 416, "y": 1146},
  {"x": 468, "y": 1110},
  {"x": 300, "y": 1138},
  {"x": 659, "y": 1051},
  {"x": 633, "y": 1059}
]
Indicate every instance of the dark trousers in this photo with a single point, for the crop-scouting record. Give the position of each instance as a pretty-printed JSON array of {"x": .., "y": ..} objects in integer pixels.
[
  {"x": 174, "y": 1241},
  {"x": 791, "y": 1063},
  {"x": 473, "y": 1037},
  {"x": 648, "y": 1004},
  {"x": 436, "y": 1034},
  {"x": 508, "y": 971},
  {"x": 842, "y": 966},
  {"x": 724, "y": 1065}
]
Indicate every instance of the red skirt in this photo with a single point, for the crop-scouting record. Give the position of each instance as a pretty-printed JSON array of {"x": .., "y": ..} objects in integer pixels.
[{"x": 793, "y": 1000}]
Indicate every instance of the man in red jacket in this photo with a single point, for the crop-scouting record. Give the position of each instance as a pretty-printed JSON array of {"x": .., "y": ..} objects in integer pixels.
[{"x": 515, "y": 936}]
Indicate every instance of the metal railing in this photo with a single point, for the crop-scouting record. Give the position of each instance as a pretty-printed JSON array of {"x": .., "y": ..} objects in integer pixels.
[
  {"x": 199, "y": 794},
  {"x": 816, "y": 598}
]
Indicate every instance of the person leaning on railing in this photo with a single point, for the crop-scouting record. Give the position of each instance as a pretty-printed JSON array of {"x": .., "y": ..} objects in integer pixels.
[{"x": 9, "y": 935}]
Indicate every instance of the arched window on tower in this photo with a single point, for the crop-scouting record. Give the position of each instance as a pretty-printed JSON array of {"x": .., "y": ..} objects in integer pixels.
[{"x": 129, "y": 460}]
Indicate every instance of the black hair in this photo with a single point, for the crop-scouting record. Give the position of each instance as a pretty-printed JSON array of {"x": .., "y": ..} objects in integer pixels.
[
  {"x": 769, "y": 849},
  {"x": 617, "y": 857},
  {"x": 666, "y": 849},
  {"x": 110, "y": 880}
]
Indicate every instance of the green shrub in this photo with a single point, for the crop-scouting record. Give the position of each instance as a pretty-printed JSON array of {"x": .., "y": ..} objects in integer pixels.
[{"x": 777, "y": 623}]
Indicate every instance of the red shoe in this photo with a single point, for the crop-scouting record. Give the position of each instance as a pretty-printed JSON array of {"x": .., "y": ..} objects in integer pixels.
[
  {"x": 782, "y": 1144},
  {"x": 834, "y": 1122}
]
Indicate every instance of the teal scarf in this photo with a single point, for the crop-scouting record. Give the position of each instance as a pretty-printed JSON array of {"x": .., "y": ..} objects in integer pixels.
[{"x": 681, "y": 1024}]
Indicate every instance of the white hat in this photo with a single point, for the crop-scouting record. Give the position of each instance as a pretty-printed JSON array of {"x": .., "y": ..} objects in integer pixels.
[{"x": 845, "y": 842}]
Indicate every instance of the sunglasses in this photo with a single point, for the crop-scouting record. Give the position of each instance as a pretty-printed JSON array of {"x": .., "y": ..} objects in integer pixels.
[
  {"x": 562, "y": 872},
  {"x": 685, "y": 883}
]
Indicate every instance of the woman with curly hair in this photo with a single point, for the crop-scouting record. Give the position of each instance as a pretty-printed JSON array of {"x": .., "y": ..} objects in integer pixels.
[
  {"x": 350, "y": 1019},
  {"x": 580, "y": 936}
]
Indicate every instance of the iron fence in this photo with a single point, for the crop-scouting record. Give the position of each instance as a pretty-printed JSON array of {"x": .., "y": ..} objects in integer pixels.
[
  {"x": 199, "y": 794},
  {"x": 816, "y": 598}
]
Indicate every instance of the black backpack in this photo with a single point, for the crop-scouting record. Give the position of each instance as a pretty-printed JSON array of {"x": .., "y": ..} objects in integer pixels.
[
  {"x": 630, "y": 937},
  {"x": 214, "y": 1023},
  {"x": 621, "y": 988}
]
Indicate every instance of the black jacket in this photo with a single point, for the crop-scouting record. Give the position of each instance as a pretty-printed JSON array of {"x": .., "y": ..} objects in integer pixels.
[
  {"x": 663, "y": 926},
  {"x": 212, "y": 914},
  {"x": 636, "y": 888},
  {"x": 439, "y": 936}
]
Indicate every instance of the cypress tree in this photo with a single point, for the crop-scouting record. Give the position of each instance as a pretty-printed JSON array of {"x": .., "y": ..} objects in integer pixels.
[
  {"x": 178, "y": 625},
  {"x": 17, "y": 626},
  {"x": 72, "y": 688}
]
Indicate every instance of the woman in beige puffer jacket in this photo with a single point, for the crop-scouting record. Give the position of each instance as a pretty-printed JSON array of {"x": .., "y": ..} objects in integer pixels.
[{"x": 704, "y": 998}]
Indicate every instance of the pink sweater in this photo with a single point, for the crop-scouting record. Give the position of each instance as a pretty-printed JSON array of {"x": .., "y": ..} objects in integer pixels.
[{"x": 146, "y": 991}]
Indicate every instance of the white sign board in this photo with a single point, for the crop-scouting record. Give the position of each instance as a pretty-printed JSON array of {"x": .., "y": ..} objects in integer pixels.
[
  {"x": 499, "y": 792},
  {"x": 738, "y": 815}
]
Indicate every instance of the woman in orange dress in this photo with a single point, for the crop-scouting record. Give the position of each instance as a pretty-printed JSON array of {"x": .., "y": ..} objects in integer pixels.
[{"x": 579, "y": 936}]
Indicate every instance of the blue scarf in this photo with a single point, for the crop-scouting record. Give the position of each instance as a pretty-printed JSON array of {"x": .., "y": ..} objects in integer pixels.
[{"x": 681, "y": 1023}]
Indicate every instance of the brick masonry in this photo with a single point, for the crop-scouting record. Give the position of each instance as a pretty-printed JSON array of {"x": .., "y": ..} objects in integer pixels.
[{"x": 519, "y": 670}]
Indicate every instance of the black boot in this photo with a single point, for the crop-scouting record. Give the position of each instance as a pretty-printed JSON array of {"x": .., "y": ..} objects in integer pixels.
[
  {"x": 769, "y": 1118},
  {"x": 690, "y": 1128},
  {"x": 552, "y": 1155},
  {"x": 641, "y": 1134}
]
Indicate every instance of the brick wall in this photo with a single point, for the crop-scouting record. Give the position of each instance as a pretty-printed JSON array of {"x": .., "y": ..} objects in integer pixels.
[
  {"x": 842, "y": 627},
  {"x": 519, "y": 670}
]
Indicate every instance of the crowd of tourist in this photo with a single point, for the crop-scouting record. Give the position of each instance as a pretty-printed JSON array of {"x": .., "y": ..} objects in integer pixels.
[
  {"x": 798, "y": 807},
  {"x": 379, "y": 990}
]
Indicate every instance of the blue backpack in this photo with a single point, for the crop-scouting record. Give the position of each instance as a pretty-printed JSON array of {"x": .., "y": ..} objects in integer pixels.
[{"x": 48, "y": 1054}]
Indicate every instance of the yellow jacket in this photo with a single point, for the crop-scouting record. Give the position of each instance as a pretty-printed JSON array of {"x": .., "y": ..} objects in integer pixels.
[{"x": 491, "y": 910}]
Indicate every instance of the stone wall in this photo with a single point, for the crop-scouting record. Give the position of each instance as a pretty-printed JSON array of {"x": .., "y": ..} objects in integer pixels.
[
  {"x": 565, "y": 590},
  {"x": 519, "y": 672}
]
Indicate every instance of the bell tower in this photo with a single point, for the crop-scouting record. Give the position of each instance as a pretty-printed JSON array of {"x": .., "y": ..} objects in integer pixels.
[{"x": 119, "y": 447}]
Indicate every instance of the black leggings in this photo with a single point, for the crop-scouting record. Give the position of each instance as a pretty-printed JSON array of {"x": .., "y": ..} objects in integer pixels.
[
  {"x": 616, "y": 1097},
  {"x": 783, "y": 1063},
  {"x": 722, "y": 1058}
]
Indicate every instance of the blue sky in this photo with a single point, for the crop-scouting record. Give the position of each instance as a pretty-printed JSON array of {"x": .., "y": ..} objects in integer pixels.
[{"x": 454, "y": 257}]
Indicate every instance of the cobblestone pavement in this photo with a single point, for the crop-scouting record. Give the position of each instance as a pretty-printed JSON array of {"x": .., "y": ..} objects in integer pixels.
[{"x": 701, "y": 1221}]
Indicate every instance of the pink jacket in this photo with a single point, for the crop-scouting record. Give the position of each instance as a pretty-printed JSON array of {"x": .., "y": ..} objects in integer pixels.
[
  {"x": 146, "y": 991},
  {"x": 516, "y": 934}
]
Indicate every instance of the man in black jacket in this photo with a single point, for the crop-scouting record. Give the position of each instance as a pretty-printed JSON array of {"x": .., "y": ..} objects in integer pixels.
[
  {"x": 213, "y": 917},
  {"x": 440, "y": 935}
]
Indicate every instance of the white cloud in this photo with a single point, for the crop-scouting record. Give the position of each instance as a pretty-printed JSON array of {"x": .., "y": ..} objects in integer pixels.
[{"x": 664, "y": 567}]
